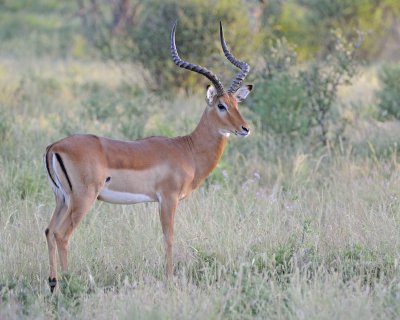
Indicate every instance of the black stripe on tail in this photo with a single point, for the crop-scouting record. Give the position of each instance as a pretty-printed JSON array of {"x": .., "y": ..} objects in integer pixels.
[{"x": 63, "y": 169}]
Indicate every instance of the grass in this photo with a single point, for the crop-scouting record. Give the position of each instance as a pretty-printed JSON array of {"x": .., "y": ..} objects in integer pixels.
[
  {"x": 328, "y": 253},
  {"x": 275, "y": 232}
]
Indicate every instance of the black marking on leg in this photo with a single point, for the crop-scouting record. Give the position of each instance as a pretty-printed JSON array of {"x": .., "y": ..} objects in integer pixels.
[
  {"x": 108, "y": 179},
  {"x": 46, "y": 232},
  {"x": 63, "y": 169},
  {"x": 52, "y": 284}
]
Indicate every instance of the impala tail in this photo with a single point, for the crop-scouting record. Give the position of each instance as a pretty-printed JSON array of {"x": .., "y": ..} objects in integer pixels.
[{"x": 57, "y": 173}]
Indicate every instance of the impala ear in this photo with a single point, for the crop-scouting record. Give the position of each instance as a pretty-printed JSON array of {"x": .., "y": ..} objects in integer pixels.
[
  {"x": 243, "y": 92},
  {"x": 211, "y": 93}
]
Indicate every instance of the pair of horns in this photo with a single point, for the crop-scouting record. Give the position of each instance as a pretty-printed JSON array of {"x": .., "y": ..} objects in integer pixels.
[{"x": 236, "y": 82}]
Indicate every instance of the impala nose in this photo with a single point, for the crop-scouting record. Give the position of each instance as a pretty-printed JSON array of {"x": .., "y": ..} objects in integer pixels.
[{"x": 245, "y": 130}]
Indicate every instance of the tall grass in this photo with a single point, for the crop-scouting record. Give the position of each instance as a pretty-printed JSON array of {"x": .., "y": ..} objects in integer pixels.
[
  {"x": 275, "y": 232},
  {"x": 270, "y": 234}
]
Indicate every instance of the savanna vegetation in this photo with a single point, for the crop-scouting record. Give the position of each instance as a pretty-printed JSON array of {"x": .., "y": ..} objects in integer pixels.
[{"x": 301, "y": 220}]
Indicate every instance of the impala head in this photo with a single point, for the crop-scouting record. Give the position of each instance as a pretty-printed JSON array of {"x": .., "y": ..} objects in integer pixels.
[{"x": 222, "y": 110}]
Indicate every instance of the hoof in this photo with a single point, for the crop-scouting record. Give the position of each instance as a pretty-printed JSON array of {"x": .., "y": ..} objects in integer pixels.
[{"x": 52, "y": 284}]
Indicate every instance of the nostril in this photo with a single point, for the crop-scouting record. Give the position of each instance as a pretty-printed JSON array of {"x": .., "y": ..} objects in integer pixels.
[{"x": 245, "y": 129}]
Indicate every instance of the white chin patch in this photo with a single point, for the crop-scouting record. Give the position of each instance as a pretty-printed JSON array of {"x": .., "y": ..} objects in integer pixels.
[
  {"x": 225, "y": 133},
  {"x": 118, "y": 197}
]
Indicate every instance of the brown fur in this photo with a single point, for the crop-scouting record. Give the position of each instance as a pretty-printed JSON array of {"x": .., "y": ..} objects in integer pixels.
[{"x": 166, "y": 170}]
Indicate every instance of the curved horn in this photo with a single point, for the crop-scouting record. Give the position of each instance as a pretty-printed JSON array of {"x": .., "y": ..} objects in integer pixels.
[
  {"x": 243, "y": 66},
  {"x": 192, "y": 67}
]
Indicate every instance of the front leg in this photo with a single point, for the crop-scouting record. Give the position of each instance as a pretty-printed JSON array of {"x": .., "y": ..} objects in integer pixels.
[{"x": 168, "y": 204}]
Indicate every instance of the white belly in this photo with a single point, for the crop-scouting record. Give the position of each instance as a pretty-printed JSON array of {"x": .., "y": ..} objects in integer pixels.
[{"x": 123, "y": 197}]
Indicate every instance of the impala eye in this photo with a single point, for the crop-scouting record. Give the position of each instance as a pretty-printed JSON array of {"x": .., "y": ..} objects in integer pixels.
[{"x": 221, "y": 107}]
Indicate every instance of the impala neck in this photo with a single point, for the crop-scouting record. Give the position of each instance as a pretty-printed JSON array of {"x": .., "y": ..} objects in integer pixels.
[{"x": 207, "y": 146}]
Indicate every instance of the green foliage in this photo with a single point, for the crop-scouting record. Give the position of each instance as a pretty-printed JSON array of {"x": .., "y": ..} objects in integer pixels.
[
  {"x": 282, "y": 107},
  {"x": 71, "y": 286},
  {"x": 308, "y": 23},
  {"x": 389, "y": 94},
  {"x": 280, "y": 96},
  {"x": 323, "y": 16},
  {"x": 205, "y": 269},
  {"x": 26, "y": 184},
  {"x": 282, "y": 260},
  {"x": 147, "y": 41},
  {"x": 359, "y": 262},
  {"x": 37, "y": 27},
  {"x": 131, "y": 103},
  {"x": 320, "y": 17},
  {"x": 70, "y": 295},
  {"x": 322, "y": 81},
  {"x": 5, "y": 126},
  {"x": 294, "y": 103},
  {"x": 250, "y": 295},
  {"x": 19, "y": 290},
  {"x": 23, "y": 181},
  {"x": 280, "y": 246}
]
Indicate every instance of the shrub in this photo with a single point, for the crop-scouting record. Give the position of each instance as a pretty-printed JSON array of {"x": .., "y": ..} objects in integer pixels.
[
  {"x": 295, "y": 103},
  {"x": 389, "y": 95},
  {"x": 280, "y": 97},
  {"x": 308, "y": 23},
  {"x": 145, "y": 40},
  {"x": 282, "y": 107}
]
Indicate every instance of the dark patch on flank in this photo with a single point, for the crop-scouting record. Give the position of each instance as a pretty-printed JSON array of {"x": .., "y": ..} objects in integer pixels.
[
  {"x": 46, "y": 232},
  {"x": 108, "y": 179},
  {"x": 63, "y": 169}
]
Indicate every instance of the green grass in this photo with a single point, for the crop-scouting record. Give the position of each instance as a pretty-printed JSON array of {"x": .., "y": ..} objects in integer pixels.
[
  {"x": 331, "y": 251},
  {"x": 275, "y": 232},
  {"x": 290, "y": 236},
  {"x": 32, "y": 29}
]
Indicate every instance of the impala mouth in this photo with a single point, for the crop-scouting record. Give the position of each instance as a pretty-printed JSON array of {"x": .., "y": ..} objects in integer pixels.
[
  {"x": 242, "y": 133},
  {"x": 237, "y": 133}
]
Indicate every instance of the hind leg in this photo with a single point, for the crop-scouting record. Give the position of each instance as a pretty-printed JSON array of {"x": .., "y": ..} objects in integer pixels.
[
  {"x": 64, "y": 229},
  {"x": 59, "y": 211}
]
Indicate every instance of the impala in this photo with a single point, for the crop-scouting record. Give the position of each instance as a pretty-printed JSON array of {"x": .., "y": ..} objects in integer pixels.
[{"x": 83, "y": 167}]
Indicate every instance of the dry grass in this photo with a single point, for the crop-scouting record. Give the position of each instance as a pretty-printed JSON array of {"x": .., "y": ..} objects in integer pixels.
[{"x": 296, "y": 236}]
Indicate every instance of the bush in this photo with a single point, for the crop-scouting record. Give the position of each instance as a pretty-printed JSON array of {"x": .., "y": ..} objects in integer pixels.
[
  {"x": 308, "y": 23},
  {"x": 280, "y": 96},
  {"x": 146, "y": 39},
  {"x": 389, "y": 95},
  {"x": 295, "y": 103},
  {"x": 282, "y": 107}
]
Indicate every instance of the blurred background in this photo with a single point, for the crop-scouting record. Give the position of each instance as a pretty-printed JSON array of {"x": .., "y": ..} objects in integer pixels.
[
  {"x": 298, "y": 221},
  {"x": 326, "y": 75},
  {"x": 318, "y": 66}
]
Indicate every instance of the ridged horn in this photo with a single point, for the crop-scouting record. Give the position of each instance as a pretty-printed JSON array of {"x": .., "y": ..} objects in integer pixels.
[
  {"x": 193, "y": 67},
  {"x": 243, "y": 66}
]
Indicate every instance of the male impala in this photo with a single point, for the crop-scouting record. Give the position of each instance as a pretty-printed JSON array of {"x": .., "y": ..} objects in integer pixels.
[{"x": 82, "y": 168}]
